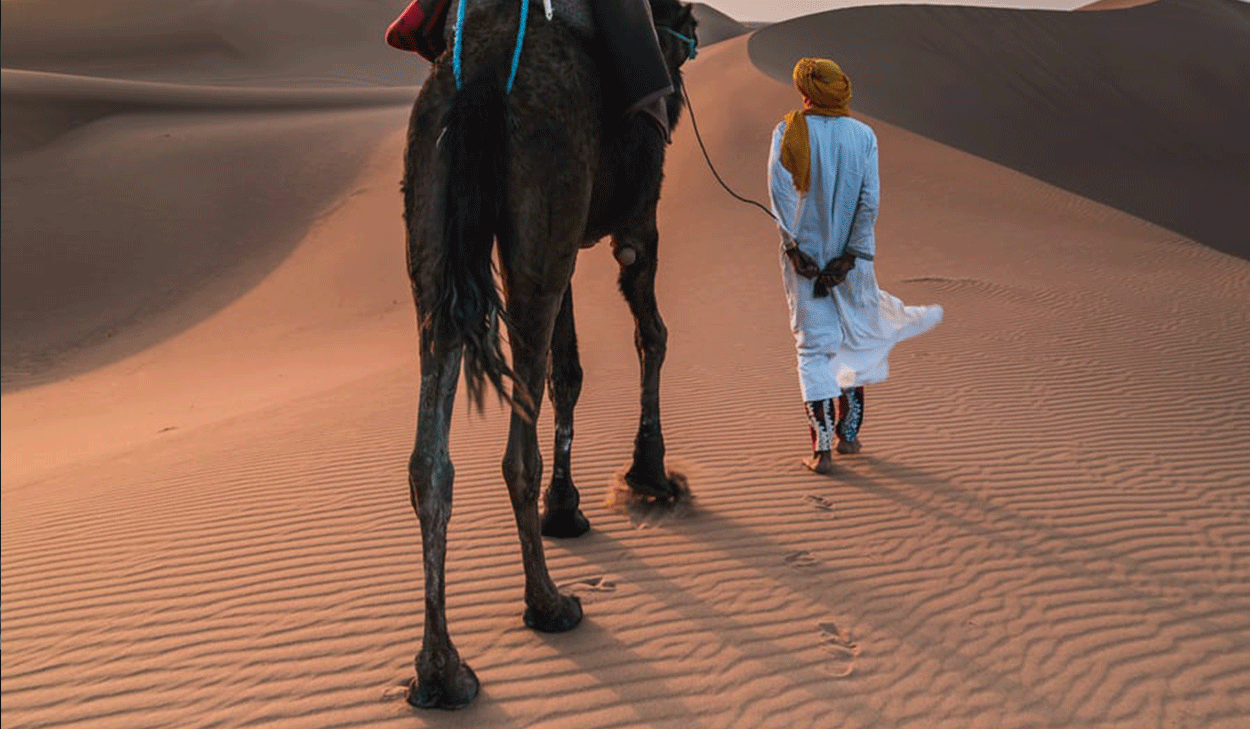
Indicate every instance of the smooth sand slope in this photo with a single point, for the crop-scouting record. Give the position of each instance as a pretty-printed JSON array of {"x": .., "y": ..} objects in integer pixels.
[
  {"x": 715, "y": 26},
  {"x": 208, "y": 526},
  {"x": 313, "y": 43},
  {"x": 1143, "y": 108},
  {"x": 143, "y": 187}
]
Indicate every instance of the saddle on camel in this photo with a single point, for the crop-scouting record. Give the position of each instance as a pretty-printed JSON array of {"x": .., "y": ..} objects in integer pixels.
[
  {"x": 530, "y": 140},
  {"x": 623, "y": 30}
]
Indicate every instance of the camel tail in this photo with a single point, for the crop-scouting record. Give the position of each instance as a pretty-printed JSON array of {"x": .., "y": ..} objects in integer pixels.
[{"x": 467, "y": 307}]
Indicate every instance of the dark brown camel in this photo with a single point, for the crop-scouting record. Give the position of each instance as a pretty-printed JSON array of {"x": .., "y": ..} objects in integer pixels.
[{"x": 536, "y": 174}]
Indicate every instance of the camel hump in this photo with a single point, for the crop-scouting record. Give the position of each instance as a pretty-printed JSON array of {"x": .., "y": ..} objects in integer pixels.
[
  {"x": 633, "y": 61},
  {"x": 578, "y": 14}
]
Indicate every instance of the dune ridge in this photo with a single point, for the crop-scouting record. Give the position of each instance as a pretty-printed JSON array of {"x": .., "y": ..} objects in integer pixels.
[
  {"x": 38, "y": 85},
  {"x": 715, "y": 26}
]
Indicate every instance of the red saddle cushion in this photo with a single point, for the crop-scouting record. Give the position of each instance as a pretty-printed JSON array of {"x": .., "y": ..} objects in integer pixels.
[{"x": 420, "y": 28}]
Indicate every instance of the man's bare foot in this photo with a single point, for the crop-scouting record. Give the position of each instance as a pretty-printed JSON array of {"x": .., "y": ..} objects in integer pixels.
[
  {"x": 820, "y": 462},
  {"x": 849, "y": 447}
]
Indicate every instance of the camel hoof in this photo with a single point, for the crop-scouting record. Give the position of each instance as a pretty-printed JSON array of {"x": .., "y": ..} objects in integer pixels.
[
  {"x": 444, "y": 692},
  {"x": 565, "y": 618},
  {"x": 660, "y": 490},
  {"x": 565, "y": 524}
]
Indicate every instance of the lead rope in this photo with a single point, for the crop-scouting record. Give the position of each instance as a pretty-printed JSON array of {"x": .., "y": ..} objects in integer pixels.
[
  {"x": 712, "y": 167},
  {"x": 516, "y": 51}
]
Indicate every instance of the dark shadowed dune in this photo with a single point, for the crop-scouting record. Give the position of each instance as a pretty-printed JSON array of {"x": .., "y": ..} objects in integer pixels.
[
  {"x": 1145, "y": 108},
  {"x": 310, "y": 43}
]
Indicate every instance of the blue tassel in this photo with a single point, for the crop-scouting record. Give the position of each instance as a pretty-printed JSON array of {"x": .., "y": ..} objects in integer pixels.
[
  {"x": 520, "y": 40},
  {"x": 455, "y": 52},
  {"x": 516, "y": 52}
]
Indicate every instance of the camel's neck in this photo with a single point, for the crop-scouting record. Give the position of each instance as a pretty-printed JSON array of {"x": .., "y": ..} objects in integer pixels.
[{"x": 576, "y": 13}]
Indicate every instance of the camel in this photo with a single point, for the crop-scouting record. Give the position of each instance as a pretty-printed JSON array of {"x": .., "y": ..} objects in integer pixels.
[{"x": 532, "y": 174}]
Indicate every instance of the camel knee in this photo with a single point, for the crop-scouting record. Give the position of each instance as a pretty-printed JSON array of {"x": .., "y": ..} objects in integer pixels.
[
  {"x": 429, "y": 484},
  {"x": 659, "y": 338},
  {"x": 573, "y": 377},
  {"x": 652, "y": 340},
  {"x": 523, "y": 474},
  {"x": 566, "y": 385}
]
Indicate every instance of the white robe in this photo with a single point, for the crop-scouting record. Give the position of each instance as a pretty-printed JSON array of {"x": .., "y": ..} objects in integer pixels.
[{"x": 843, "y": 340}]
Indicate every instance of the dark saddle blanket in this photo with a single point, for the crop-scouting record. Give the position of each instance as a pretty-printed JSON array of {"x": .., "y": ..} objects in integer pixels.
[{"x": 623, "y": 28}]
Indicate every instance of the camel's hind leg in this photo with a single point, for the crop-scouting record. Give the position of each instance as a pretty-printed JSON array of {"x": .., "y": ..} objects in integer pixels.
[
  {"x": 536, "y": 269},
  {"x": 562, "y": 517},
  {"x": 443, "y": 680},
  {"x": 647, "y": 475},
  {"x": 533, "y": 315}
]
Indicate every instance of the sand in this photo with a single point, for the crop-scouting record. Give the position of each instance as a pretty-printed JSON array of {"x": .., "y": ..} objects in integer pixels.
[{"x": 210, "y": 390}]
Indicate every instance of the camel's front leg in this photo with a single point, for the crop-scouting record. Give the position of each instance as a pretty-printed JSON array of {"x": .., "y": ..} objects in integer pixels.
[
  {"x": 443, "y": 680},
  {"x": 647, "y": 475},
  {"x": 562, "y": 517}
]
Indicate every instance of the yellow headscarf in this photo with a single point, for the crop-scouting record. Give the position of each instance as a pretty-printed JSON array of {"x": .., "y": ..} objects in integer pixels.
[{"x": 826, "y": 92}]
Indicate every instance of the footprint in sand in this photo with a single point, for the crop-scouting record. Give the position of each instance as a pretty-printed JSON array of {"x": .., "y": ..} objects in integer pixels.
[
  {"x": 398, "y": 692},
  {"x": 821, "y": 503},
  {"x": 590, "y": 584},
  {"x": 800, "y": 559},
  {"x": 842, "y": 649}
]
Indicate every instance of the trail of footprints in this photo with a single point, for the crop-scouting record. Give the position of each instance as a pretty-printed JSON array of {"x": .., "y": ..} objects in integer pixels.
[
  {"x": 803, "y": 558},
  {"x": 835, "y": 641}
]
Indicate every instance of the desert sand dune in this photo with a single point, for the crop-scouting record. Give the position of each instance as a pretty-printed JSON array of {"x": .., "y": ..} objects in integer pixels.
[
  {"x": 160, "y": 160},
  {"x": 40, "y": 106},
  {"x": 207, "y": 524},
  {"x": 715, "y": 26},
  {"x": 155, "y": 219},
  {"x": 1115, "y": 4},
  {"x": 1143, "y": 109},
  {"x": 300, "y": 42}
]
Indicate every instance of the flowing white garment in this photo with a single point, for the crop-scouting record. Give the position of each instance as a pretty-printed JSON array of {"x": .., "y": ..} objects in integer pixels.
[{"x": 843, "y": 340}]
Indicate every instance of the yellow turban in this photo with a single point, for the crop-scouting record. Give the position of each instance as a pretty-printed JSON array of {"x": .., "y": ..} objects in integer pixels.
[{"x": 826, "y": 92}]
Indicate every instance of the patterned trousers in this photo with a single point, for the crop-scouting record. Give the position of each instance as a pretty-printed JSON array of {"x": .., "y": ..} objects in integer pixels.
[{"x": 849, "y": 414}]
